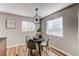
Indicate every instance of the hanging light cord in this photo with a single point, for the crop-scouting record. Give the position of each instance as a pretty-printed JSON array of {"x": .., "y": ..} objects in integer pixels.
[{"x": 36, "y": 11}]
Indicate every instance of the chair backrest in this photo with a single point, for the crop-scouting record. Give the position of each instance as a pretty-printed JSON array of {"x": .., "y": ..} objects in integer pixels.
[
  {"x": 31, "y": 44},
  {"x": 26, "y": 38},
  {"x": 47, "y": 42}
]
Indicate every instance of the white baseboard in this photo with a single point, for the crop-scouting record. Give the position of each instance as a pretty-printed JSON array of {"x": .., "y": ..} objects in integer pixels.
[
  {"x": 16, "y": 45},
  {"x": 60, "y": 50}
]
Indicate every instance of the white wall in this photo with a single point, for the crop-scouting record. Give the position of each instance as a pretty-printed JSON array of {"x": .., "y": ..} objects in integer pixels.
[
  {"x": 14, "y": 36},
  {"x": 69, "y": 42}
]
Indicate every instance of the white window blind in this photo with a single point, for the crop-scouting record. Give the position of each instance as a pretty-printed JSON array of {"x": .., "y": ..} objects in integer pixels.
[
  {"x": 55, "y": 27},
  {"x": 28, "y": 26}
]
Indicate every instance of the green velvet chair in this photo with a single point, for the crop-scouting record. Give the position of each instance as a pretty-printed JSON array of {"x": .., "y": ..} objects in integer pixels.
[
  {"x": 46, "y": 45},
  {"x": 31, "y": 46}
]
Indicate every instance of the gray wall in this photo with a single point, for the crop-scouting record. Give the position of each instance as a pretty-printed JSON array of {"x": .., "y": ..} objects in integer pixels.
[
  {"x": 78, "y": 29},
  {"x": 14, "y": 36},
  {"x": 69, "y": 42}
]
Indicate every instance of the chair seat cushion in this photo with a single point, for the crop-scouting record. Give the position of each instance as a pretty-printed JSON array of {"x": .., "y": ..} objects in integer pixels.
[{"x": 43, "y": 43}]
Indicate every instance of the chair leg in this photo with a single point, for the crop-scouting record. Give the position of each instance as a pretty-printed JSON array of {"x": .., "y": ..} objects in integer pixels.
[
  {"x": 41, "y": 47},
  {"x": 35, "y": 52},
  {"x": 47, "y": 50},
  {"x": 26, "y": 49},
  {"x": 28, "y": 52},
  {"x": 31, "y": 52}
]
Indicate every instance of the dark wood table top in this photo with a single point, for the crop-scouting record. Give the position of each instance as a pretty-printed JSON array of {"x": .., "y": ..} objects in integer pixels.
[{"x": 39, "y": 40}]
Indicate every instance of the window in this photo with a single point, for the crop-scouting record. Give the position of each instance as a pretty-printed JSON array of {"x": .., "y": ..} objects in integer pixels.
[
  {"x": 55, "y": 27},
  {"x": 28, "y": 26}
]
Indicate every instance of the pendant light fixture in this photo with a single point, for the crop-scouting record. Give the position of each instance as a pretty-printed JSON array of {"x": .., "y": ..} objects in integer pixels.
[{"x": 36, "y": 17}]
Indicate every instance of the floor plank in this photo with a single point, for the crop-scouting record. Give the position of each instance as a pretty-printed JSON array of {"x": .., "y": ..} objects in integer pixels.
[{"x": 22, "y": 51}]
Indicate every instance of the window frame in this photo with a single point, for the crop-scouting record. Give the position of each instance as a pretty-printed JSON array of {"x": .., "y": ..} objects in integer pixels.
[
  {"x": 28, "y": 29},
  {"x": 55, "y": 34}
]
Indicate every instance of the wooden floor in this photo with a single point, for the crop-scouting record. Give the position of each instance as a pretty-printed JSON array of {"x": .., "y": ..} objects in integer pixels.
[{"x": 21, "y": 51}]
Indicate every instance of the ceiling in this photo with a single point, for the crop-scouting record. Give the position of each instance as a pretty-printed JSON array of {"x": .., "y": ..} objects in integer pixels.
[{"x": 28, "y": 9}]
